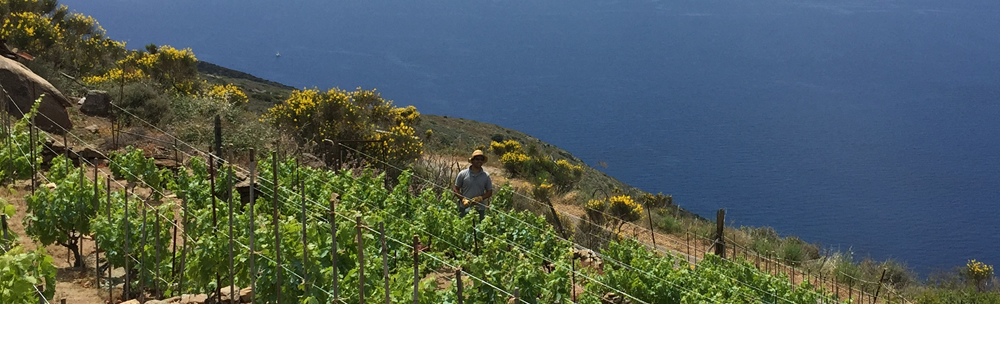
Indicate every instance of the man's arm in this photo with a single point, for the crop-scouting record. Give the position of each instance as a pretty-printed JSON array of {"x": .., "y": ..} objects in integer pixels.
[{"x": 458, "y": 182}]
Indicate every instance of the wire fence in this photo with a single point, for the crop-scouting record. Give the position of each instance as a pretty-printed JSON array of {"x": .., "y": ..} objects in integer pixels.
[{"x": 761, "y": 262}]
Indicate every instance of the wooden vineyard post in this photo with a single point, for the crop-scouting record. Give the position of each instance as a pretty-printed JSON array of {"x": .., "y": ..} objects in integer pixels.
[
  {"x": 861, "y": 290},
  {"x": 142, "y": 259},
  {"x": 687, "y": 241},
  {"x": 184, "y": 222},
  {"x": 229, "y": 202},
  {"x": 128, "y": 280},
  {"x": 215, "y": 219},
  {"x": 173, "y": 252},
  {"x": 177, "y": 159},
  {"x": 251, "y": 229},
  {"x": 156, "y": 243},
  {"x": 836, "y": 287},
  {"x": 274, "y": 219},
  {"x": 821, "y": 282},
  {"x": 879, "y": 287},
  {"x": 217, "y": 128},
  {"x": 97, "y": 210},
  {"x": 333, "y": 252},
  {"x": 31, "y": 152},
  {"x": 720, "y": 241},
  {"x": 517, "y": 295},
  {"x": 111, "y": 287},
  {"x": 361, "y": 262},
  {"x": 767, "y": 264},
  {"x": 652, "y": 234},
  {"x": 3, "y": 226},
  {"x": 416, "y": 268},
  {"x": 475, "y": 237},
  {"x": 572, "y": 281},
  {"x": 336, "y": 153},
  {"x": 385, "y": 263},
  {"x": 458, "y": 281},
  {"x": 850, "y": 290},
  {"x": 305, "y": 243},
  {"x": 66, "y": 152},
  {"x": 211, "y": 184},
  {"x": 735, "y": 247}
]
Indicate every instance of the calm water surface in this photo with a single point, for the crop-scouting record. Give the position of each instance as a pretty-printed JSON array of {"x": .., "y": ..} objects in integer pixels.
[{"x": 864, "y": 125}]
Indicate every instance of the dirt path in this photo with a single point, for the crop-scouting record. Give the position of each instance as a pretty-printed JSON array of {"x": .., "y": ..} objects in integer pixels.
[{"x": 75, "y": 285}]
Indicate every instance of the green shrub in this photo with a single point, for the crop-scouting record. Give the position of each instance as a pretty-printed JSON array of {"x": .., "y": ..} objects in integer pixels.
[
  {"x": 791, "y": 252},
  {"x": 846, "y": 268},
  {"x": 960, "y": 296},
  {"x": 146, "y": 102},
  {"x": 669, "y": 223}
]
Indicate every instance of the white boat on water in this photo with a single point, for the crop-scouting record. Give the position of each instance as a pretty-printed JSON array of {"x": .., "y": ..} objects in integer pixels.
[{"x": 277, "y": 54}]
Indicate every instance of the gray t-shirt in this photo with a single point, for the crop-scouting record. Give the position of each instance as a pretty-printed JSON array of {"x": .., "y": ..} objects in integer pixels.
[{"x": 473, "y": 184}]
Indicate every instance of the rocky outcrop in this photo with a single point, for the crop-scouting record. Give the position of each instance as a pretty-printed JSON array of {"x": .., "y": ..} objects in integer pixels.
[
  {"x": 24, "y": 86},
  {"x": 96, "y": 103}
]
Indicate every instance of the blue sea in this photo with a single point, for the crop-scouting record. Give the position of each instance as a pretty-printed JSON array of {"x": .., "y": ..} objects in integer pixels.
[{"x": 868, "y": 125}]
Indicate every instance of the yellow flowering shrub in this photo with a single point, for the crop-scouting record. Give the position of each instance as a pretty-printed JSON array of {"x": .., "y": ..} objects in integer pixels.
[
  {"x": 595, "y": 209},
  {"x": 624, "y": 208},
  {"x": 228, "y": 93},
  {"x": 50, "y": 32},
  {"x": 538, "y": 169},
  {"x": 507, "y": 146},
  {"x": 979, "y": 273},
  {"x": 542, "y": 192},
  {"x": 515, "y": 163},
  {"x": 656, "y": 200},
  {"x": 339, "y": 115},
  {"x": 566, "y": 174},
  {"x": 617, "y": 210},
  {"x": 30, "y": 32},
  {"x": 171, "y": 67}
]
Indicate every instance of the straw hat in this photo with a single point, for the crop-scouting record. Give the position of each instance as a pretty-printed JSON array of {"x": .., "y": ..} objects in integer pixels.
[{"x": 478, "y": 153}]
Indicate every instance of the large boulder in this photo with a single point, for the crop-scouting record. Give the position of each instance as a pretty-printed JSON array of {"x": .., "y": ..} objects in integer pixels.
[
  {"x": 24, "y": 86},
  {"x": 97, "y": 103}
]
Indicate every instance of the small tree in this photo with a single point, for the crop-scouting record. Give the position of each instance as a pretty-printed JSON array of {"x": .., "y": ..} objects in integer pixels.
[
  {"x": 171, "y": 68},
  {"x": 616, "y": 210},
  {"x": 362, "y": 115},
  {"x": 61, "y": 213},
  {"x": 979, "y": 273},
  {"x": 623, "y": 209}
]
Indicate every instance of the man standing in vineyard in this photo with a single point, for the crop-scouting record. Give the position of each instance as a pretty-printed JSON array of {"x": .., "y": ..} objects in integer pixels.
[{"x": 473, "y": 186}]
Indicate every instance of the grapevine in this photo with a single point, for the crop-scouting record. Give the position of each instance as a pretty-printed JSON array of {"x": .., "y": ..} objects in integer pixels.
[
  {"x": 22, "y": 272},
  {"x": 507, "y": 250}
]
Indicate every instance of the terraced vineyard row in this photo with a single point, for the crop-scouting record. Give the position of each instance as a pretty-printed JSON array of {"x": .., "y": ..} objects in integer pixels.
[{"x": 194, "y": 234}]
